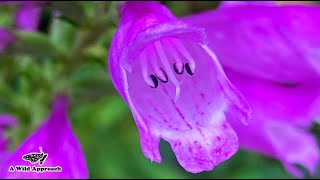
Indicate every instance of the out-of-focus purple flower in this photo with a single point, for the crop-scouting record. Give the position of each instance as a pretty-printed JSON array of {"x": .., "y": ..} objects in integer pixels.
[
  {"x": 285, "y": 44},
  {"x": 281, "y": 115},
  {"x": 28, "y": 15},
  {"x": 58, "y": 147},
  {"x": 271, "y": 54},
  {"x": 5, "y": 38},
  {"x": 27, "y": 19},
  {"x": 6, "y": 121},
  {"x": 175, "y": 87}
]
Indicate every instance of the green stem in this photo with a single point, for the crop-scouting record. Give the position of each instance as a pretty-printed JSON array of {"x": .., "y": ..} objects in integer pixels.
[{"x": 85, "y": 37}]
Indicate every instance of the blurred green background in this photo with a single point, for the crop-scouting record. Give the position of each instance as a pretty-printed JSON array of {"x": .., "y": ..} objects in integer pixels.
[{"x": 69, "y": 53}]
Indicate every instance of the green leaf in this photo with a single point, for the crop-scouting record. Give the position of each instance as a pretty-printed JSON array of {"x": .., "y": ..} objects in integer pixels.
[
  {"x": 105, "y": 115},
  {"x": 71, "y": 10},
  {"x": 89, "y": 8},
  {"x": 34, "y": 44},
  {"x": 6, "y": 16},
  {"x": 62, "y": 35}
]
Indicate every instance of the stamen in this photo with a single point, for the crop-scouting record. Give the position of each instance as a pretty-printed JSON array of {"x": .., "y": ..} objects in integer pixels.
[
  {"x": 155, "y": 81},
  {"x": 165, "y": 62},
  {"x": 188, "y": 69},
  {"x": 178, "y": 45},
  {"x": 160, "y": 73},
  {"x": 163, "y": 74},
  {"x": 144, "y": 68},
  {"x": 176, "y": 69},
  {"x": 178, "y": 66}
]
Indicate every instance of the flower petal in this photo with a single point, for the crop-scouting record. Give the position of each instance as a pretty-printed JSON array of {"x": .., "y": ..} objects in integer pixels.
[
  {"x": 283, "y": 141},
  {"x": 5, "y": 38},
  {"x": 205, "y": 147},
  {"x": 28, "y": 17},
  {"x": 149, "y": 144},
  {"x": 7, "y": 121},
  {"x": 297, "y": 104},
  {"x": 281, "y": 114},
  {"x": 270, "y": 54},
  {"x": 269, "y": 34},
  {"x": 57, "y": 139},
  {"x": 294, "y": 146},
  {"x": 227, "y": 4}
]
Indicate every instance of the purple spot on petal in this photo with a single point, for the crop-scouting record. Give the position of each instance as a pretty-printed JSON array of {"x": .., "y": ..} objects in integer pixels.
[
  {"x": 218, "y": 151},
  {"x": 179, "y": 112},
  {"x": 202, "y": 95},
  {"x": 224, "y": 126},
  {"x": 227, "y": 153}
]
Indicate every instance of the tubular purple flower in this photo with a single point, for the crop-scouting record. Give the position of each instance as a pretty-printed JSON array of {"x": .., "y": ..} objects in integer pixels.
[
  {"x": 175, "y": 87},
  {"x": 282, "y": 115},
  {"x": 270, "y": 53},
  {"x": 274, "y": 34},
  {"x": 28, "y": 17},
  {"x": 58, "y": 146},
  {"x": 5, "y": 38},
  {"x": 6, "y": 121}
]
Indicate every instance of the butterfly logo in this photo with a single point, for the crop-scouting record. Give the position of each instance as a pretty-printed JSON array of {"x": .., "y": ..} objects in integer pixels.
[{"x": 36, "y": 157}]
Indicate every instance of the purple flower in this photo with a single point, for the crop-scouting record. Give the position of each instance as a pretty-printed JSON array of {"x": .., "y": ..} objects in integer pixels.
[
  {"x": 175, "y": 87},
  {"x": 282, "y": 115},
  {"x": 57, "y": 144},
  {"x": 271, "y": 54},
  {"x": 271, "y": 34},
  {"x": 6, "y": 121},
  {"x": 5, "y": 38},
  {"x": 27, "y": 19},
  {"x": 28, "y": 15}
]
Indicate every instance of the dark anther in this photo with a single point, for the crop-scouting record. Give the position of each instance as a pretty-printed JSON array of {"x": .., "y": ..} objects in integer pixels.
[
  {"x": 188, "y": 69},
  {"x": 176, "y": 69},
  {"x": 155, "y": 81},
  {"x": 165, "y": 74}
]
